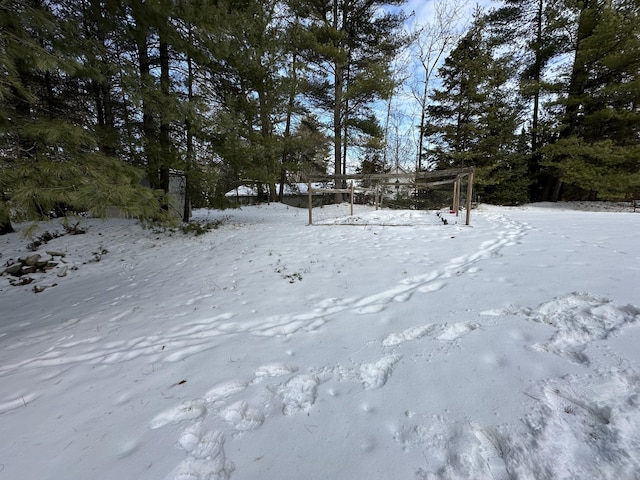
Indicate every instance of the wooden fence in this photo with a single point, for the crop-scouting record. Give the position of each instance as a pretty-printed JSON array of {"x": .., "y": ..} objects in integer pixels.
[{"x": 377, "y": 180}]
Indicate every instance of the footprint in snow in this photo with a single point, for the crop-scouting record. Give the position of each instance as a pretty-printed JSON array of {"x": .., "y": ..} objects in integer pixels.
[
  {"x": 298, "y": 393},
  {"x": 448, "y": 333},
  {"x": 188, "y": 410},
  {"x": 198, "y": 442},
  {"x": 224, "y": 390},
  {"x": 274, "y": 370},
  {"x": 492, "y": 452},
  {"x": 206, "y": 457},
  {"x": 566, "y": 402},
  {"x": 242, "y": 417},
  {"x": 375, "y": 375},
  {"x": 407, "y": 335},
  {"x": 370, "y": 309},
  {"x": 451, "y": 332},
  {"x": 218, "y": 468}
]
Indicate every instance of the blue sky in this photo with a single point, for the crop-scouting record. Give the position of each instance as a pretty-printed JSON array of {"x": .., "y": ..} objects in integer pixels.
[{"x": 405, "y": 109}]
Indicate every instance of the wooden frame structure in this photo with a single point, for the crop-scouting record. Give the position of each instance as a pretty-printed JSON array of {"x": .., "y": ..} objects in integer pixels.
[{"x": 437, "y": 177}]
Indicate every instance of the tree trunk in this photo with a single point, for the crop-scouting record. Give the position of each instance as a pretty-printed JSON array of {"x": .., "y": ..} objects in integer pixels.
[
  {"x": 337, "y": 111},
  {"x": 287, "y": 128},
  {"x": 102, "y": 89},
  {"x": 423, "y": 115},
  {"x": 577, "y": 84},
  {"x": 345, "y": 122},
  {"x": 337, "y": 131},
  {"x": 148, "y": 122},
  {"x": 579, "y": 70},
  {"x": 186, "y": 213},
  {"x": 534, "y": 161},
  {"x": 165, "y": 139}
]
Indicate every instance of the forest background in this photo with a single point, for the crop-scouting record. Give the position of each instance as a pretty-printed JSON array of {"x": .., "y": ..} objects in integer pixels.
[{"x": 100, "y": 100}]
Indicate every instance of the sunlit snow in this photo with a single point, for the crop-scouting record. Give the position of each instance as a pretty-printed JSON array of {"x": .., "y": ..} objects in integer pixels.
[{"x": 383, "y": 345}]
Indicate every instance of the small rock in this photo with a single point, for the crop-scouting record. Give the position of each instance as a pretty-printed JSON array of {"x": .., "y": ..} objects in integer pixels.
[
  {"x": 28, "y": 269},
  {"x": 56, "y": 253},
  {"x": 43, "y": 262},
  {"x": 51, "y": 264},
  {"x": 41, "y": 288},
  {"x": 31, "y": 260},
  {"x": 62, "y": 272},
  {"x": 15, "y": 269}
]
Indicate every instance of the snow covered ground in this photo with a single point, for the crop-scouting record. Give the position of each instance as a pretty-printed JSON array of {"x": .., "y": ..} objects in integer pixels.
[{"x": 383, "y": 346}]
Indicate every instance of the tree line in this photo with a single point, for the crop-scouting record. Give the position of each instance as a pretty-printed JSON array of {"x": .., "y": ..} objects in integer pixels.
[
  {"x": 543, "y": 97},
  {"x": 101, "y": 97},
  {"x": 100, "y": 100}
]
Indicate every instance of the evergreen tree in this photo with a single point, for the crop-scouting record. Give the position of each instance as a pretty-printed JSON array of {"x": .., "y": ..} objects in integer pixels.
[
  {"x": 309, "y": 148},
  {"x": 535, "y": 32},
  {"x": 354, "y": 41},
  {"x": 53, "y": 157},
  {"x": 596, "y": 154},
  {"x": 250, "y": 56},
  {"x": 458, "y": 105},
  {"x": 474, "y": 119}
]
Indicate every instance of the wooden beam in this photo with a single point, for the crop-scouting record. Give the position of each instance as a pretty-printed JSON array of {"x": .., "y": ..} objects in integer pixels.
[
  {"x": 310, "y": 197},
  {"x": 451, "y": 172},
  {"x": 469, "y": 194},
  {"x": 351, "y": 198}
]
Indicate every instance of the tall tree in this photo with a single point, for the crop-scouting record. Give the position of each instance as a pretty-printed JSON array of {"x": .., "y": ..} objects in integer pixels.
[
  {"x": 596, "y": 154},
  {"x": 474, "y": 120},
  {"x": 354, "y": 41},
  {"x": 57, "y": 153},
  {"x": 456, "y": 108},
  {"x": 433, "y": 42},
  {"x": 536, "y": 33}
]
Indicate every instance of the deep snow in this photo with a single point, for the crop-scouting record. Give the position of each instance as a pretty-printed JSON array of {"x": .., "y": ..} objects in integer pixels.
[{"x": 384, "y": 345}]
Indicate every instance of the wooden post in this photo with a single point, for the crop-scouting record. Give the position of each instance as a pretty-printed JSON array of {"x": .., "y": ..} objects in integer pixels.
[
  {"x": 309, "y": 196},
  {"x": 456, "y": 190},
  {"x": 469, "y": 194},
  {"x": 459, "y": 183},
  {"x": 352, "y": 198},
  {"x": 375, "y": 198}
]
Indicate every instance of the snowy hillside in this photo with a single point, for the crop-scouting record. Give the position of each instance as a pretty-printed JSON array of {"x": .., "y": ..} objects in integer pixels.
[{"x": 381, "y": 346}]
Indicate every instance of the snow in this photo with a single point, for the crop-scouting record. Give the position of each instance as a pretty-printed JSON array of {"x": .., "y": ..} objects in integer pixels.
[{"x": 383, "y": 345}]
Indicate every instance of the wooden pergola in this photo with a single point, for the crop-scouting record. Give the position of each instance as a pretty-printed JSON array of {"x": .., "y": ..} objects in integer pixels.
[{"x": 376, "y": 180}]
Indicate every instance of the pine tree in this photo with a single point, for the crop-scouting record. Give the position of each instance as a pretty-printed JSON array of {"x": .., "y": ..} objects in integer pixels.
[
  {"x": 474, "y": 119},
  {"x": 457, "y": 106},
  {"x": 309, "y": 148},
  {"x": 350, "y": 44},
  {"x": 535, "y": 33},
  {"x": 55, "y": 155},
  {"x": 596, "y": 154}
]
